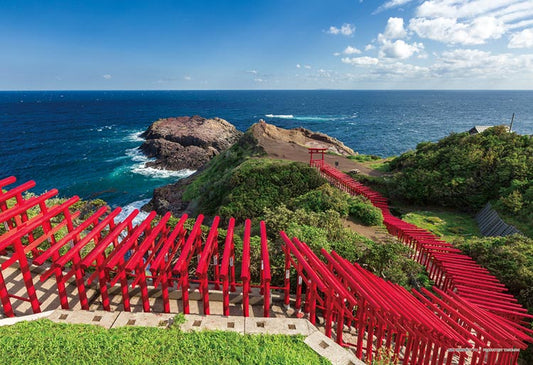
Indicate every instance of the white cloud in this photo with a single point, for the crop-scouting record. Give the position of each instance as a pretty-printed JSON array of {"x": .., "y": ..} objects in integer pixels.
[
  {"x": 369, "y": 47},
  {"x": 470, "y": 22},
  {"x": 360, "y": 60},
  {"x": 351, "y": 50},
  {"x": 307, "y": 67},
  {"x": 187, "y": 78},
  {"x": 523, "y": 39},
  {"x": 468, "y": 8},
  {"x": 259, "y": 80},
  {"x": 482, "y": 64},
  {"x": 107, "y": 76},
  {"x": 449, "y": 30},
  {"x": 346, "y": 29},
  {"x": 392, "y": 4},
  {"x": 399, "y": 49},
  {"x": 298, "y": 65},
  {"x": 395, "y": 28},
  {"x": 254, "y": 72}
]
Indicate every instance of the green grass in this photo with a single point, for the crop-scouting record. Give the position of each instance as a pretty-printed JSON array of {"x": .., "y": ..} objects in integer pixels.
[
  {"x": 381, "y": 165},
  {"x": 45, "y": 342},
  {"x": 445, "y": 224},
  {"x": 364, "y": 158}
]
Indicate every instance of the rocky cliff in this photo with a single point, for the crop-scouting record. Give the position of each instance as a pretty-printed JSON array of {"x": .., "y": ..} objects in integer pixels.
[
  {"x": 273, "y": 138},
  {"x": 187, "y": 142}
]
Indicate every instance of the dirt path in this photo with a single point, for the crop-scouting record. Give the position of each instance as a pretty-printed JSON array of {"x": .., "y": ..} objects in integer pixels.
[
  {"x": 375, "y": 233},
  {"x": 294, "y": 152}
]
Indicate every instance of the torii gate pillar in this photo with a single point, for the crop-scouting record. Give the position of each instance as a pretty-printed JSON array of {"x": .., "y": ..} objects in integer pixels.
[{"x": 313, "y": 159}]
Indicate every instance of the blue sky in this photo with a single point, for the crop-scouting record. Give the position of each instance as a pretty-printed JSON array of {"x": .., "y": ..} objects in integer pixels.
[{"x": 292, "y": 44}]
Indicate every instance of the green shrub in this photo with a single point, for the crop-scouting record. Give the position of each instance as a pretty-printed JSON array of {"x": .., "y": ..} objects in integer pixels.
[
  {"x": 363, "y": 211},
  {"x": 466, "y": 171},
  {"x": 390, "y": 261},
  {"x": 257, "y": 184},
  {"x": 322, "y": 199}
]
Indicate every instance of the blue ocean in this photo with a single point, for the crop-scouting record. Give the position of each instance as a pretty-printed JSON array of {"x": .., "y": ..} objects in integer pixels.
[{"x": 85, "y": 142}]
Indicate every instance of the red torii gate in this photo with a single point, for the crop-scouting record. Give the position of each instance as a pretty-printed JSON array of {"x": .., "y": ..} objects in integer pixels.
[
  {"x": 317, "y": 162},
  {"x": 422, "y": 328},
  {"x": 108, "y": 252}
]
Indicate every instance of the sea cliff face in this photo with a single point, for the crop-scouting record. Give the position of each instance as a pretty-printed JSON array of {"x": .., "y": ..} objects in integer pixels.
[{"x": 187, "y": 142}]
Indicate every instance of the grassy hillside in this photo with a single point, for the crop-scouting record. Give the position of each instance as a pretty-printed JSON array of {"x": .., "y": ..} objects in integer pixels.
[
  {"x": 466, "y": 171},
  {"x": 291, "y": 196}
]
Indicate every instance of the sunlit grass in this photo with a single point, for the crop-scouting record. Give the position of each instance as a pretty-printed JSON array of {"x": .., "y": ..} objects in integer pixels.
[
  {"x": 46, "y": 342},
  {"x": 445, "y": 224}
]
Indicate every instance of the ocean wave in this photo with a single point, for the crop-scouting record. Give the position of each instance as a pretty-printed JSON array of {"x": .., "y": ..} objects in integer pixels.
[
  {"x": 281, "y": 116},
  {"x": 309, "y": 118},
  {"x": 106, "y": 127},
  {"x": 135, "y": 137},
  {"x": 129, "y": 208},
  {"x": 136, "y": 155},
  {"x": 141, "y": 169}
]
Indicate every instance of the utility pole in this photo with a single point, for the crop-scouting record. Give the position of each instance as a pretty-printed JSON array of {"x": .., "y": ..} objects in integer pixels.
[{"x": 511, "y": 126}]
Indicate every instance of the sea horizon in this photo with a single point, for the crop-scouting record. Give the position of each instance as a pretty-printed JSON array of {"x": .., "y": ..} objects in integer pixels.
[
  {"x": 85, "y": 142},
  {"x": 317, "y": 89}
]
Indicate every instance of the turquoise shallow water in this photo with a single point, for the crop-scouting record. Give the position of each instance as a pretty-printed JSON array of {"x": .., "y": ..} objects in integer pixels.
[{"x": 84, "y": 142}]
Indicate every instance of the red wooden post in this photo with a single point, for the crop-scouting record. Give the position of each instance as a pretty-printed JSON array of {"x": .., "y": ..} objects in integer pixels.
[
  {"x": 245, "y": 270},
  {"x": 299, "y": 281},
  {"x": 4, "y": 298},
  {"x": 265, "y": 270},
  {"x": 225, "y": 266},
  {"x": 287, "y": 284},
  {"x": 203, "y": 264}
]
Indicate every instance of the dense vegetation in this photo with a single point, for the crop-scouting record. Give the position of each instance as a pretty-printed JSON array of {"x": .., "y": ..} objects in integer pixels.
[
  {"x": 45, "y": 342},
  {"x": 293, "y": 197},
  {"x": 466, "y": 171}
]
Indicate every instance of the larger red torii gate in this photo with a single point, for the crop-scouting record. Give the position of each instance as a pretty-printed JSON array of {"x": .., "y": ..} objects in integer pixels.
[
  {"x": 463, "y": 319},
  {"x": 108, "y": 253}
]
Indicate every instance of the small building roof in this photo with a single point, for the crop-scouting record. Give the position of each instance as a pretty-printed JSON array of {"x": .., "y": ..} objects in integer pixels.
[{"x": 482, "y": 128}]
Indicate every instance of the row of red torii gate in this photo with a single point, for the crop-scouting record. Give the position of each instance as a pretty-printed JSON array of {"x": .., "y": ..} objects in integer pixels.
[{"x": 467, "y": 317}]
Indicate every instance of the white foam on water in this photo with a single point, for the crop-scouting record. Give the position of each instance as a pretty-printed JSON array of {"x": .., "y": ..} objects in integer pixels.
[
  {"x": 108, "y": 127},
  {"x": 281, "y": 116},
  {"x": 160, "y": 173},
  {"x": 310, "y": 118},
  {"x": 129, "y": 208},
  {"x": 135, "y": 137},
  {"x": 137, "y": 155}
]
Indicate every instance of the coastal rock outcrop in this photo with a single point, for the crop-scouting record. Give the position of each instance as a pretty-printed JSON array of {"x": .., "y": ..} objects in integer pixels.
[
  {"x": 271, "y": 137},
  {"x": 187, "y": 142}
]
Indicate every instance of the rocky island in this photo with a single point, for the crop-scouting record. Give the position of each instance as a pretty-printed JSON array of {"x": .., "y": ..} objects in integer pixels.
[{"x": 187, "y": 142}]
